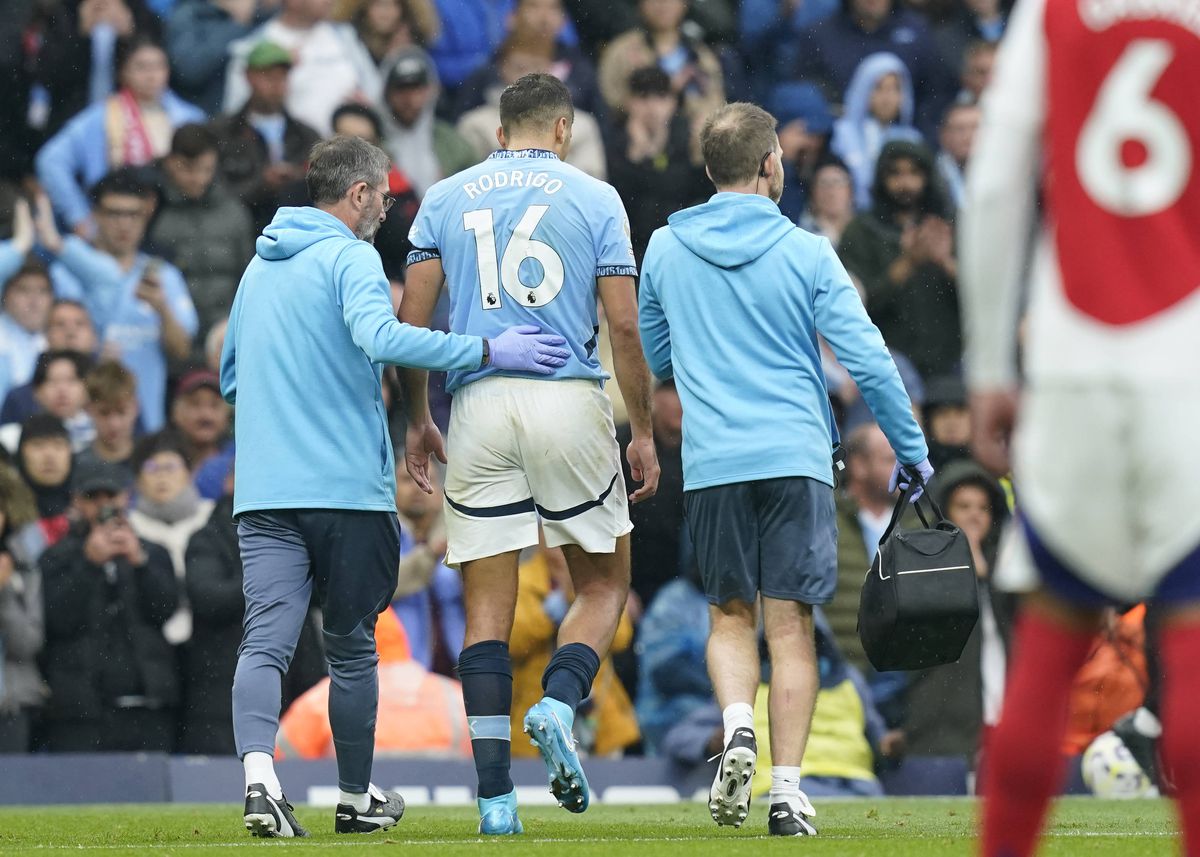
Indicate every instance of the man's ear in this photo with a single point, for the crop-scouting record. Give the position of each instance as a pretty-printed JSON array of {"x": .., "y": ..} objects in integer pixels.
[
  {"x": 500, "y": 138},
  {"x": 560, "y": 129}
]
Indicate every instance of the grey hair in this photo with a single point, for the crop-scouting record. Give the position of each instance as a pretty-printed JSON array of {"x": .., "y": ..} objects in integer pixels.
[{"x": 337, "y": 164}]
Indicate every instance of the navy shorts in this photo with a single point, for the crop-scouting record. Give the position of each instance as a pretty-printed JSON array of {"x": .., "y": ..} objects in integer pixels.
[
  {"x": 1181, "y": 584},
  {"x": 777, "y": 537}
]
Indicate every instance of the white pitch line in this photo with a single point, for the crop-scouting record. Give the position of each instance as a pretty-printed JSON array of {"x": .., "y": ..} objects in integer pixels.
[{"x": 358, "y": 843}]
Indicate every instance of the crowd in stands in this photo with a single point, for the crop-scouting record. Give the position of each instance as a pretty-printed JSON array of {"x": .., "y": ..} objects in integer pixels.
[{"x": 145, "y": 143}]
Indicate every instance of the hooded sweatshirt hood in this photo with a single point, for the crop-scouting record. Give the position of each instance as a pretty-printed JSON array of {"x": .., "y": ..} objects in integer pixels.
[
  {"x": 867, "y": 76},
  {"x": 295, "y": 229},
  {"x": 731, "y": 229}
]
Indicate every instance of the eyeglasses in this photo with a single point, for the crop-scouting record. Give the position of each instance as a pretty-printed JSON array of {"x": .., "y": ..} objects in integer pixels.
[{"x": 388, "y": 199}]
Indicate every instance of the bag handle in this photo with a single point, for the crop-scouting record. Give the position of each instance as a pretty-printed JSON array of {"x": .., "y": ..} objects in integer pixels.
[{"x": 906, "y": 499}]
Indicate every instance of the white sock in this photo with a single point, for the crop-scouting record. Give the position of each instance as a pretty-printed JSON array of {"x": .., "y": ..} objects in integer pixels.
[
  {"x": 1145, "y": 722},
  {"x": 739, "y": 715},
  {"x": 785, "y": 785},
  {"x": 361, "y": 801},
  {"x": 260, "y": 768}
]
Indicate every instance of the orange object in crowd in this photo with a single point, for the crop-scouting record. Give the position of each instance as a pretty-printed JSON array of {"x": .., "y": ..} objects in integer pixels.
[
  {"x": 420, "y": 713},
  {"x": 1111, "y": 683}
]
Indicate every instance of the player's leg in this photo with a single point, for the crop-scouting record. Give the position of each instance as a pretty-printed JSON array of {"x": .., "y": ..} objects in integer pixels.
[
  {"x": 1024, "y": 768},
  {"x": 485, "y": 669},
  {"x": 798, "y": 552},
  {"x": 355, "y": 560},
  {"x": 795, "y": 680},
  {"x": 1178, "y": 596},
  {"x": 724, "y": 530},
  {"x": 570, "y": 457},
  {"x": 490, "y": 517},
  {"x": 277, "y": 585}
]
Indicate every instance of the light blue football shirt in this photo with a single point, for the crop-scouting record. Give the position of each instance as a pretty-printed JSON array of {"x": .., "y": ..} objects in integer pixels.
[{"x": 522, "y": 238}]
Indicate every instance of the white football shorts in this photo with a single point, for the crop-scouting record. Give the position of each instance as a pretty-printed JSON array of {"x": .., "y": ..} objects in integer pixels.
[
  {"x": 1108, "y": 477},
  {"x": 521, "y": 450}
]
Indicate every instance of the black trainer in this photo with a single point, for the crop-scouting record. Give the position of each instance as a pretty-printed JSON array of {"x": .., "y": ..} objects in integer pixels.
[
  {"x": 1142, "y": 747},
  {"x": 270, "y": 818},
  {"x": 385, "y": 810},
  {"x": 784, "y": 820},
  {"x": 729, "y": 797}
]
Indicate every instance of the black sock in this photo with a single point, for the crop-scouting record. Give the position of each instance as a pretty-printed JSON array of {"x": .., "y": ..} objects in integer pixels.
[
  {"x": 486, "y": 673},
  {"x": 569, "y": 675}
]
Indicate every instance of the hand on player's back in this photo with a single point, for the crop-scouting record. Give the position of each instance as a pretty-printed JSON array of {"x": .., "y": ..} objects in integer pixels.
[
  {"x": 643, "y": 467},
  {"x": 527, "y": 349}
]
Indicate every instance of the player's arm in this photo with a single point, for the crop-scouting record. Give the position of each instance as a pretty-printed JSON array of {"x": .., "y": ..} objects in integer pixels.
[
  {"x": 995, "y": 228},
  {"x": 422, "y": 287},
  {"x": 619, "y": 297}
]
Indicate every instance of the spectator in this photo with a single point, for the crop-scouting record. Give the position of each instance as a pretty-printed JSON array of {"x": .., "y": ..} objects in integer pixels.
[
  {"x": 902, "y": 250},
  {"x": 263, "y": 148},
  {"x": 58, "y": 390},
  {"x": 478, "y": 125},
  {"x": 771, "y": 36},
  {"x": 976, "y": 73},
  {"x": 651, "y": 158},
  {"x": 947, "y": 420},
  {"x": 656, "y": 544},
  {"x": 471, "y": 31},
  {"x": 76, "y": 51},
  {"x": 429, "y": 605},
  {"x": 878, "y": 108},
  {"x": 22, "y": 691},
  {"x": 425, "y": 148},
  {"x": 44, "y": 462},
  {"x": 27, "y": 300},
  {"x": 112, "y": 676},
  {"x": 214, "y": 590},
  {"x": 199, "y": 33},
  {"x": 358, "y": 120},
  {"x": 605, "y": 723},
  {"x": 804, "y": 126},
  {"x": 113, "y": 407},
  {"x": 420, "y": 713},
  {"x": 695, "y": 72},
  {"x": 535, "y": 32},
  {"x": 836, "y": 46},
  {"x": 388, "y": 26},
  {"x": 168, "y": 511},
  {"x": 598, "y": 22},
  {"x": 201, "y": 226},
  {"x": 140, "y": 303},
  {"x": 673, "y": 677},
  {"x": 201, "y": 416},
  {"x": 971, "y": 21},
  {"x": 330, "y": 64},
  {"x": 957, "y": 140},
  {"x": 831, "y": 202},
  {"x": 69, "y": 328},
  {"x": 128, "y": 129}
]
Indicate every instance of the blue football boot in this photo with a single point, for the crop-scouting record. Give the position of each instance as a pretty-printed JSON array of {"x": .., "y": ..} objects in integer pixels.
[
  {"x": 498, "y": 815},
  {"x": 548, "y": 725}
]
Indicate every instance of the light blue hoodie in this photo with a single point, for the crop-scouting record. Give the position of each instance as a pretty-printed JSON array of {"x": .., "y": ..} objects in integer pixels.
[
  {"x": 732, "y": 298},
  {"x": 309, "y": 332}
]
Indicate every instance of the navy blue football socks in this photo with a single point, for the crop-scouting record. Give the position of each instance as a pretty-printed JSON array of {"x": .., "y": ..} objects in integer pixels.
[
  {"x": 486, "y": 673},
  {"x": 570, "y": 673}
]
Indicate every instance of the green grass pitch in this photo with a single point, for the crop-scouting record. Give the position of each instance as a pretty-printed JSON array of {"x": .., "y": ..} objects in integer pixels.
[{"x": 865, "y": 828}]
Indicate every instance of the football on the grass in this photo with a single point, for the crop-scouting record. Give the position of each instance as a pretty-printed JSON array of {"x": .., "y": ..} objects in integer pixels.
[{"x": 1110, "y": 770}]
